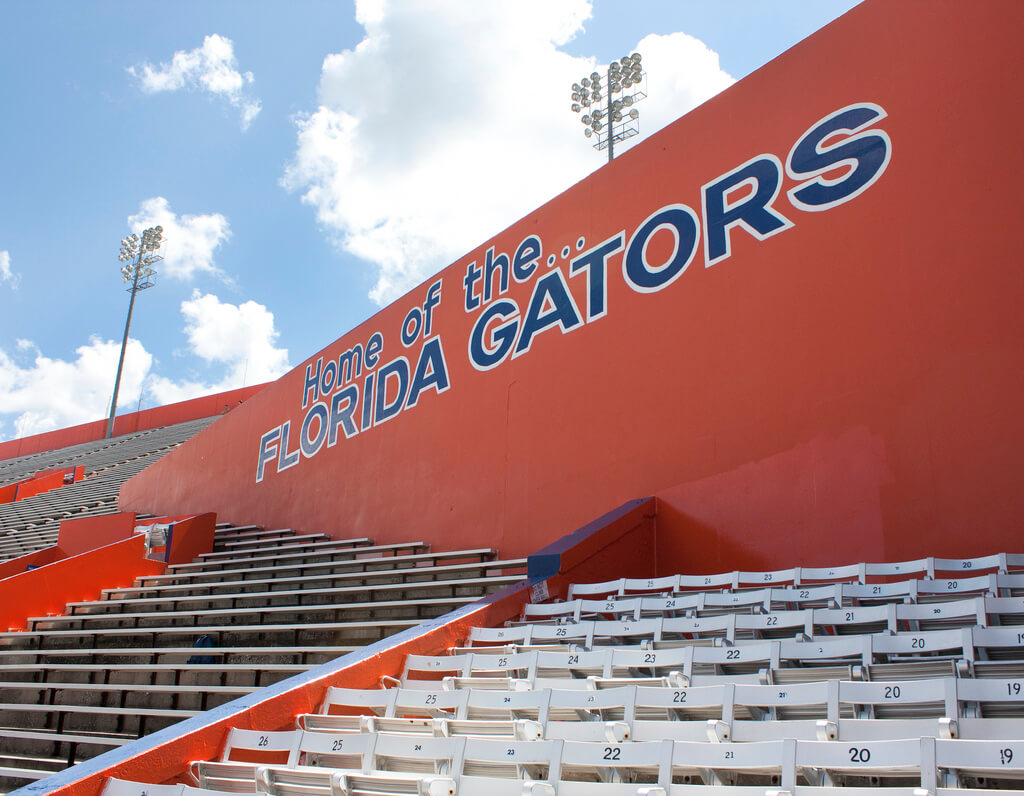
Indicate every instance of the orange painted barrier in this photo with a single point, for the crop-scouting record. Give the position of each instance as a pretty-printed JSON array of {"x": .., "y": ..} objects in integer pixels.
[
  {"x": 40, "y": 484},
  {"x": 190, "y": 537},
  {"x": 87, "y": 533},
  {"x": 47, "y": 590},
  {"x": 15, "y": 566}
]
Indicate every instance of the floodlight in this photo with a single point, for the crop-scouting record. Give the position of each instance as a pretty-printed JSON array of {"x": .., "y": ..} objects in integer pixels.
[
  {"x": 138, "y": 272},
  {"x": 605, "y": 108}
]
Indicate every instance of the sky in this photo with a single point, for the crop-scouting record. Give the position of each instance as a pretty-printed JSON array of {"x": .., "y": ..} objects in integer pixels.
[{"x": 309, "y": 161}]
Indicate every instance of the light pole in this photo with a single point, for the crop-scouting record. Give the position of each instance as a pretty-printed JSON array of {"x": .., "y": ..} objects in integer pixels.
[
  {"x": 617, "y": 120},
  {"x": 138, "y": 258}
]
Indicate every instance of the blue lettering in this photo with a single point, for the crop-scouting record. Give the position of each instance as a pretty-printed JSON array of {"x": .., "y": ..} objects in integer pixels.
[
  {"x": 473, "y": 274},
  {"x": 343, "y": 417},
  {"x": 310, "y": 447},
  {"x": 494, "y": 264},
  {"x": 526, "y": 258},
  {"x": 864, "y": 155},
  {"x": 409, "y": 336},
  {"x": 595, "y": 262},
  {"x": 431, "y": 371},
  {"x": 399, "y": 368},
  {"x": 643, "y": 277},
  {"x": 367, "y": 402},
  {"x": 312, "y": 382},
  {"x": 550, "y": 305},
  {"x": 268, "y": 451},
  {"x": 433, "y": 299},
  {"x": 373, "y": 348},
  {"x": 753, "y": 212},
  {"x": 328, "y": 377},
  {"x": 485, "y": 356},
  {"x": 284, "y": 458}
]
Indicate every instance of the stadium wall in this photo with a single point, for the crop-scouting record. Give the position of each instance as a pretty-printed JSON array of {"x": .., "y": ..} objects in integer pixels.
[
  {"x": 793, "y": 317},
  {"x": 181, "y": 412}
]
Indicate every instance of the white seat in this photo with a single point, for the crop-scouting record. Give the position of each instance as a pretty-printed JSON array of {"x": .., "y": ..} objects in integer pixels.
[
  {"x": 764, "y": 763},
  {"x": 669, "y": 605},
  {"x": 618, "y": 762},
  {"x": 901, "y": 699},
  {"x": 875, "y": 593},
  {"x": 958, "y": 567},
  {"x": 780, "y": 576},
  {"x": 492, "y": 761},
  {"x": 832, "y": 763},
  {"x": 804, "y": 596},
  {"x": 680, "y": 631},
  {"x": 950, "y": 588},
  {"x": 123, "y": 787},
  {"x": 851, "y": 573},
  {"x": 778, "y": 624},
  {"x": 859, "y": 619},
  {"x": 482, "y": 636},
  {"x": 567, "y": 708},
  {"x": 554, "y": 668},
  {"x": 922, "y": 567},
  {"x": 664, "y": 585},
  {"x": 615, "y": 632},
  {"x": 941, "y": 615},
  {"x": 611, "y": 588},
  {"x": 991, "y": 698},
  {"x": 723, "y": 580},
  {"x": 995, "y": 761},
  {"x": 228, "y": 774}
]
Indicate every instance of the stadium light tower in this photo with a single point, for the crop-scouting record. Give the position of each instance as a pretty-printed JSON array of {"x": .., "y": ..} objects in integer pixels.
[
  {"x": 138, "y": 257},
  {"x": 617, "y": 120}
]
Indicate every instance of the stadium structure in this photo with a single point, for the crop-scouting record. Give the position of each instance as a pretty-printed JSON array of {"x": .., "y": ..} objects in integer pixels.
[{"x": 703, "y": 479}]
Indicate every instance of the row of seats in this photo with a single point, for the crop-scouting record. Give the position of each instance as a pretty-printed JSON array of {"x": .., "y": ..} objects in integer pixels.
[
  {"x": 630, "y": 695},
  {"x": 998, "y": 607},
  {"x": 930, "y": 568},
  {"x": 967, "y": 651},
  {"x": 829, "y": 708},
  {"x": 388, "y": 763},
  {"x": 750, "y": 619}
]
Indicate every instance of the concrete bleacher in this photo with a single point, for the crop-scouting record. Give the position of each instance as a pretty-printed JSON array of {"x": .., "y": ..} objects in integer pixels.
[
  {"x": 262, "y": 606},
  {"x": 32, "y": 524},
  {"x": 606, "y": 696}
]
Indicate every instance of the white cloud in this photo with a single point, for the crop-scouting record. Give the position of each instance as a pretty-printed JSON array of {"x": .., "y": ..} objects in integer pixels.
[
  {"x": 450, "y": 120},
  {"x": 41, "y": 393},
  {"x": 54, "y": 393},
  {"x": 211, "y": 67},
  {"x": 241, "y": 337},
  {"x": 190, "y": 241},
  {"x": 6, "y": 274}
]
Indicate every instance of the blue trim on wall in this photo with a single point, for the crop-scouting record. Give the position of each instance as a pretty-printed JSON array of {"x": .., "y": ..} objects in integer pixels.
[{"x": 548, "y": 560}]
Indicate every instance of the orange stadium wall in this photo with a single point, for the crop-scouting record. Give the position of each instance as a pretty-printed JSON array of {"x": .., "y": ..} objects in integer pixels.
[
  {"x": 794, "y": 317},
  {"x": 81, "y": 576},
  {"x": 205, "y": 406}
]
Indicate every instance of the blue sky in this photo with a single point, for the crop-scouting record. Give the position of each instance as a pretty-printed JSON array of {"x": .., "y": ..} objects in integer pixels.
[{"x": 294, "y": 153}]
